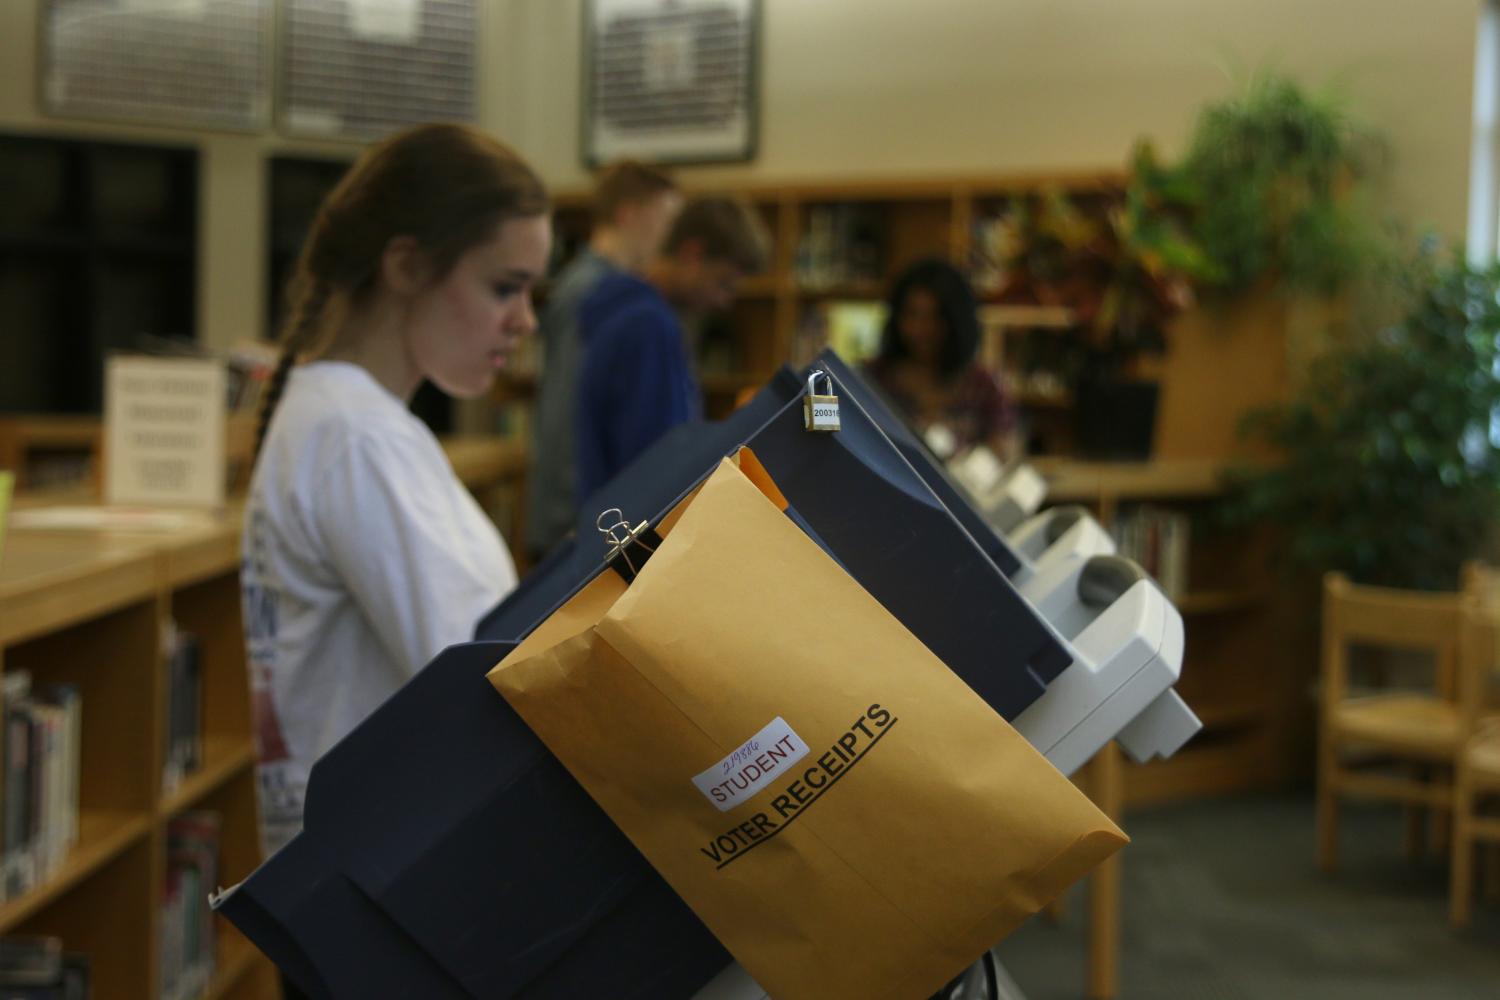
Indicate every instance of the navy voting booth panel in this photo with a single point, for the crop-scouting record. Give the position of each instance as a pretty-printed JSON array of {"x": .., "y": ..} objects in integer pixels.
[
  {"x": 953, "y": 496},
  {"x": 445, "y": 852},
  {"x": 863, "y": 502},
  {"x": 869, "y": 502},
  {"x": 653, "y": 483}
]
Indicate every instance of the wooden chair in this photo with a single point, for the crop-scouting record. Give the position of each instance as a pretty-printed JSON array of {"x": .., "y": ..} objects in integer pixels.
[
  {"x": 1418, "y": 729},
  {"x": 1477, "y": 773},
  {"x": 1482, "y": 580}
]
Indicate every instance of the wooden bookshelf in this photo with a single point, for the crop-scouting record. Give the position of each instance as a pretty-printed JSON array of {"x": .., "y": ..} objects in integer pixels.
[
  {"x": 32, "y": 446},
  {"x": 1199, "y": 412},
  {"x": 30, "y": 443},
  {"x": 908, "y": 218},
  {"x": 89, "y": 608},
  {"x": 1213, "y": 602},
  {"x": 224, "y": 758},
  {"x": 103, "y": 835}
]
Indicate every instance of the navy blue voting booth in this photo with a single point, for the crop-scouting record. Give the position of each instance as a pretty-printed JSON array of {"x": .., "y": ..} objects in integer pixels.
[
  {"x": 652, "y": 483},
  {"x": 446, "y": 853},
  {"x": 658, "y": 478},
  {"x": 922, "y": 461}
]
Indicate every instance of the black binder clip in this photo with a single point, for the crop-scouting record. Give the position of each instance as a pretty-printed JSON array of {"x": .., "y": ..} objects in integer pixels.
[{"x": 629, "y": 548}]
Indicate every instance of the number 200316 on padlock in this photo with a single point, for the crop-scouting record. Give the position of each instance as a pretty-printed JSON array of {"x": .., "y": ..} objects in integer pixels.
[{"x": 820, "y": 413}]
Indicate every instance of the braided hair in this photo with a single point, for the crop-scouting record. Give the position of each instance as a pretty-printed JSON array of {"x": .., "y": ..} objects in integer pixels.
[{"x": 446, "y": 186}]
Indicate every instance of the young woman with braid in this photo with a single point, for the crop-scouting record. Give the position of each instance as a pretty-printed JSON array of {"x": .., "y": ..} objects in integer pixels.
[{"x": 363, "y": 555}]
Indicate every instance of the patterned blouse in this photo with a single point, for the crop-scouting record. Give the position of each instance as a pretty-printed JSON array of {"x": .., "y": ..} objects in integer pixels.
[{"x": 975, "y": 407}]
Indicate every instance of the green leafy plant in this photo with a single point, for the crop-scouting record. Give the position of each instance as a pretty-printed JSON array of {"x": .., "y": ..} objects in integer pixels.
[
  {"x": 1124, "y": 264},
  {"x": 1276, "y": 176},
  {"x": 1389, "y": 467},
  {"x": 1150, "y": 259}
]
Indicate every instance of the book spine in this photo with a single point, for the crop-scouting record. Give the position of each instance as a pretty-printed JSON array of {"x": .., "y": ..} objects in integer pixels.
[
  {"x": 37, "y": 784},
  {"x": 192, "y": 861},
  {"x": 73, "y": 706},
  {"x": 192, "y": 702},
  {"x": 171, "y": 665},
  {"x": 169, "y": 944},
  {"x": 53, "y": 816},
  {"x": 18, "y": 745}
]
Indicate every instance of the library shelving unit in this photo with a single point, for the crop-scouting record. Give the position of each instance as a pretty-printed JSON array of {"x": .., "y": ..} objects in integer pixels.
[
  {"x": 888, "y": 223},
  {"x": 50, "y": 451},
  {"x": 90, "y": 608}
]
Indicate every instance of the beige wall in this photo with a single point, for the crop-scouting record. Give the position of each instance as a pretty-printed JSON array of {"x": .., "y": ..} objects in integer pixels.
[
  {"x": 927, "y": 86},
  {"x": 912, "y": 87}
]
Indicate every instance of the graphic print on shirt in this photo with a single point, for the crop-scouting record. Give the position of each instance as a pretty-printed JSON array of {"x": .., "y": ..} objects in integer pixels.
[{"x": 281, "y": 788}]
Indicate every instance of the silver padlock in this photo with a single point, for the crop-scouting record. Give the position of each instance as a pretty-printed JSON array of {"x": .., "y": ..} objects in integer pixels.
[{"x": 820, "y": 413}]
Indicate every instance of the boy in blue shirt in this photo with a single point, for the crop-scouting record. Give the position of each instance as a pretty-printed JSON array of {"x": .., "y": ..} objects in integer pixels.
[
  {"x": 637, "y": 380},
  {"x": 634, "y": 205}
]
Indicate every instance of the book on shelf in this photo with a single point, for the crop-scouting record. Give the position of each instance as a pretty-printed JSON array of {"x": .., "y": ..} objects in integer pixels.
[
  {"x": 42, "y": 752},
  {"x": 184, "y": 707},
  {"x": 58, "y": 468},
  {"x": 994, "y": 240},
  {"x": 1157, "y": 539},
  {"x": 843, "y": 244},
  {"x": 187, "y": 939},
  {"x": 37, "y": 968}
]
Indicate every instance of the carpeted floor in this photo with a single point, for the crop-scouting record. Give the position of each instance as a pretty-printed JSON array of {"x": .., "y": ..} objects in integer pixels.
[{"x": 1222, "y": 901}]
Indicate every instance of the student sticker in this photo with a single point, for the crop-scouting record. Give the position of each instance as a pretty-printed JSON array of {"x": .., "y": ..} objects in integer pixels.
[
  {"x": 804, "y": 786},
  {"x": 756, "y": 763}
]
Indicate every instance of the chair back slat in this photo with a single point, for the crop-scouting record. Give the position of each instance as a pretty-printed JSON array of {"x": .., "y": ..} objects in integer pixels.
[
  {"x": 1478, "y": 649},
  {"x": 1481, "y": 580},
  {"x": 1386, "y": 616}
]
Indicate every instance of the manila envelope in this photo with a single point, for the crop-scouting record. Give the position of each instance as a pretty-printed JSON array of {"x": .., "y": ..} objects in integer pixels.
[{"x": 841, "y": 810}]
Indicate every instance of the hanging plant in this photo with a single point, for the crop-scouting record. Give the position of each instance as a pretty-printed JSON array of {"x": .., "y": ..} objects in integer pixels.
[
  {"x": 1124, "y": 266},
  {"x": 1277, "y": 173},
  {"x": 1152, "y": 260}
]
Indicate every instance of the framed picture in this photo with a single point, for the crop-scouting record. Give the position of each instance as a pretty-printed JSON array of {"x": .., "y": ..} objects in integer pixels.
[
  {"x": 670, "y": 81},
  {"x": 359, "y": 69},
  {"x": 190, "y": 65}
]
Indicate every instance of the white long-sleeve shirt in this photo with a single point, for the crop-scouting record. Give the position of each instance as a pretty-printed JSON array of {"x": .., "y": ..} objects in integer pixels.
[{"x": 363, "y": 558}]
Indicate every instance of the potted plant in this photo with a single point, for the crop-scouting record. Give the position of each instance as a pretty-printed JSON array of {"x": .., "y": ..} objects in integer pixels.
[
  {"x": 1275, "y": 174},
  {"x": 1389, "y": 468},
  {"x": 1147, "y": 265},
  {"x": 1124, "y": 266}
]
